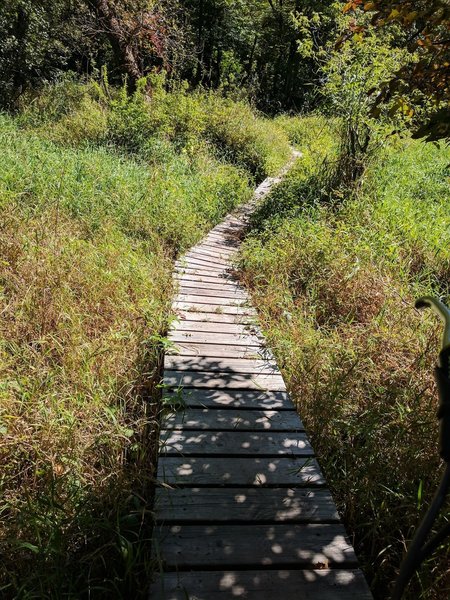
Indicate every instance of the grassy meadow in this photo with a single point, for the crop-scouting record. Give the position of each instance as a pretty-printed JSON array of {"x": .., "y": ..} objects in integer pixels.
[
  {"x": 335, "y": 278},
  {"x": 99, "y": 193}
]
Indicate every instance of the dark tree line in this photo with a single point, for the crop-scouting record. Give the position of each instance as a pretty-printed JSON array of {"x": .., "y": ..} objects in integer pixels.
[
  {"x": 249, "y": 44},
  {"x": 272, "y": 51}
]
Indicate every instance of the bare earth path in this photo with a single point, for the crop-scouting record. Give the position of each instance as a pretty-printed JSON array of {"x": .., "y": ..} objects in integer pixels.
[{"x": 242, "y": 510}]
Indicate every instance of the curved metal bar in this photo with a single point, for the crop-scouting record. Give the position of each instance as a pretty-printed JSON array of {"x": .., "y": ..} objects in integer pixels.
[
  {"x": 414, "y": 555},
  {"x": 440, "y": 309}
]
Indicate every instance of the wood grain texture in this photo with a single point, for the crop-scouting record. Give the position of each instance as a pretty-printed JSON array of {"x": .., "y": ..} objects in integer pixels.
[
  {"x": 230, "y": 381},
  {"x": 222, "y": 291},
  {"x": 216, "y": 301},
  {"x": 204, "y": 274},
  {"x": 215, "y": 327},
  {"x": 211, "y": 286},
  {"x": 205, "y": 337},
  {"x": 300, "y": 584},
  {"x": 228, "y": 546},
  {"x": 242, "y": 399},
  {"x": 235, "y": 443},
  {"x": 233, "y": 420},
  {"x": 213, "y": 317},
  {"x": 242, "y": 471},
  {"x": 193, "y": 306},
  {"x": 223, "y": 365},
  {"x": 244, "y": 505},
  {"x": 218, "y": 350}
]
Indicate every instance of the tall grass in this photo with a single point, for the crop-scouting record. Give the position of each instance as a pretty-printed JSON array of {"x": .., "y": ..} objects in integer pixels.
[
  {"x": 99, "y": 192},
  {"x": 335, "y": 286}
]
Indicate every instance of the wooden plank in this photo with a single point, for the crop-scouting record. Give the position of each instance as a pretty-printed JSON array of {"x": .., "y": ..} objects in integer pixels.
[
  {"x": 244, "y": 399},
  {"x": 232, "y": 505},
  {"x": 212, "y": 286},
  {"x": 223, "y": 240},
  {"x": 217, "y": 350},
  {"x": 227, "y": 546},
  {"x": 221, "y": 301},
  {"x": 234, "y": 443},
  {"x": 182, "y": 266},
  {"x": 215, "y": 327},
  {"x": 208, "y": 258},
  {"x": 233, "y": 420},
  {"x": 267, "y": 584},
  {"x": 199, "y": 337},
  {"x": 201, "y": 307},
  {"x": 213, "y": 471},
  {"x": 194, "y": 274},
  {"x": 224, "y": 243},
  {"x": 229, "y": 381},
  {"x": 221, "y": 290},
  {"x": 229, "y": 227},
  {"x": 206, "y": 263},
  {"x": 198, "y": 275},
  {"x": 223, "y": 365},
  {"x": 205, "y": 317},
  {"x": 214, "y": 250}
]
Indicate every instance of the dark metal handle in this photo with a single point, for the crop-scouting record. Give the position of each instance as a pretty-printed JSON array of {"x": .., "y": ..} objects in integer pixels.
[{"x": 419, "y": 549}]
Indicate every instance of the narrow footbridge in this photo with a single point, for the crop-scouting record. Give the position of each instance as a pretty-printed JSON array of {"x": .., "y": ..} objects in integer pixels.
[{"x": 242, "y": 509}]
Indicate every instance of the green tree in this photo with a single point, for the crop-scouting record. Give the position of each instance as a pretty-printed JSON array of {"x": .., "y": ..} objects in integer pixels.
[{"x": 425, "y": 24}]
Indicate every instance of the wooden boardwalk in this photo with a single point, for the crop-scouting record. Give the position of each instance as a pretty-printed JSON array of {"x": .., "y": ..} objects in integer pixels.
[{"x": 242, "y": 509}]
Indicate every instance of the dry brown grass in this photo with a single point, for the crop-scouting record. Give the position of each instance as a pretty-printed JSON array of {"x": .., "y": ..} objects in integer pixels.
[{"x": 335, "y": 288}]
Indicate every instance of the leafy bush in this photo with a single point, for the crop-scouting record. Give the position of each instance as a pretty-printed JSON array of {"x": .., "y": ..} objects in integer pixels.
[
  {"x": 153, "y": 116},
  {"x": 335, "y": 286}
]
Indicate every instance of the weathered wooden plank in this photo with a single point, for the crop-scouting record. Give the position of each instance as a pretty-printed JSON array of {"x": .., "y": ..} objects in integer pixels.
[
  {"x": 229, "y": 381},
  {"x": 227, "y": 546},
  {"x": 217, "y": 350},
  {"x": 198, "y": 275},
  {"x": 223, "y": 365},
  {"x": 214, "y": 327},
  {"x": 211, "y": 286},
  {"x": 205, "y": 262},
  {"x": 221, "y": 301},
  {"x": 201, "y": 307},
  {"x": 205, "y": 317},
  {"x": 267, "y": 584},
  {"x": 213, "y": 471},
  {"x": 232, "y": 245},
  {"x": 234, "y": 443},
  {"x": 246, "y": 505},
  {"x": 244, "y": 399},
  {"x": 204, "y": 274},
  {"x": 211, "y": 258},
  {"x": 229, "y": 226},
  {"x": 183, "y": 265},
  {"x": 214, "y": 249},
  {"x": 233, "y": 420},
  {"x": 200, "y": 337},
  {"x": 222, "y": 290}
]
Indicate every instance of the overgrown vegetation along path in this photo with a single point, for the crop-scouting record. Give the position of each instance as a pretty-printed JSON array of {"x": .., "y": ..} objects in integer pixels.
[{"x": 243, "y": 509}]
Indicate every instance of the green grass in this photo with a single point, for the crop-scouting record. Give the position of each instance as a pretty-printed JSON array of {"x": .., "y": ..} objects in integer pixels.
[
  {"x": 335, "y": 286},
  {"x": 99, "y": 193}
]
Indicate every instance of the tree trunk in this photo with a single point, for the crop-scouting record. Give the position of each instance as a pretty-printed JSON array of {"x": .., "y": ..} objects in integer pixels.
[{"x": 120, "y": 42}]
